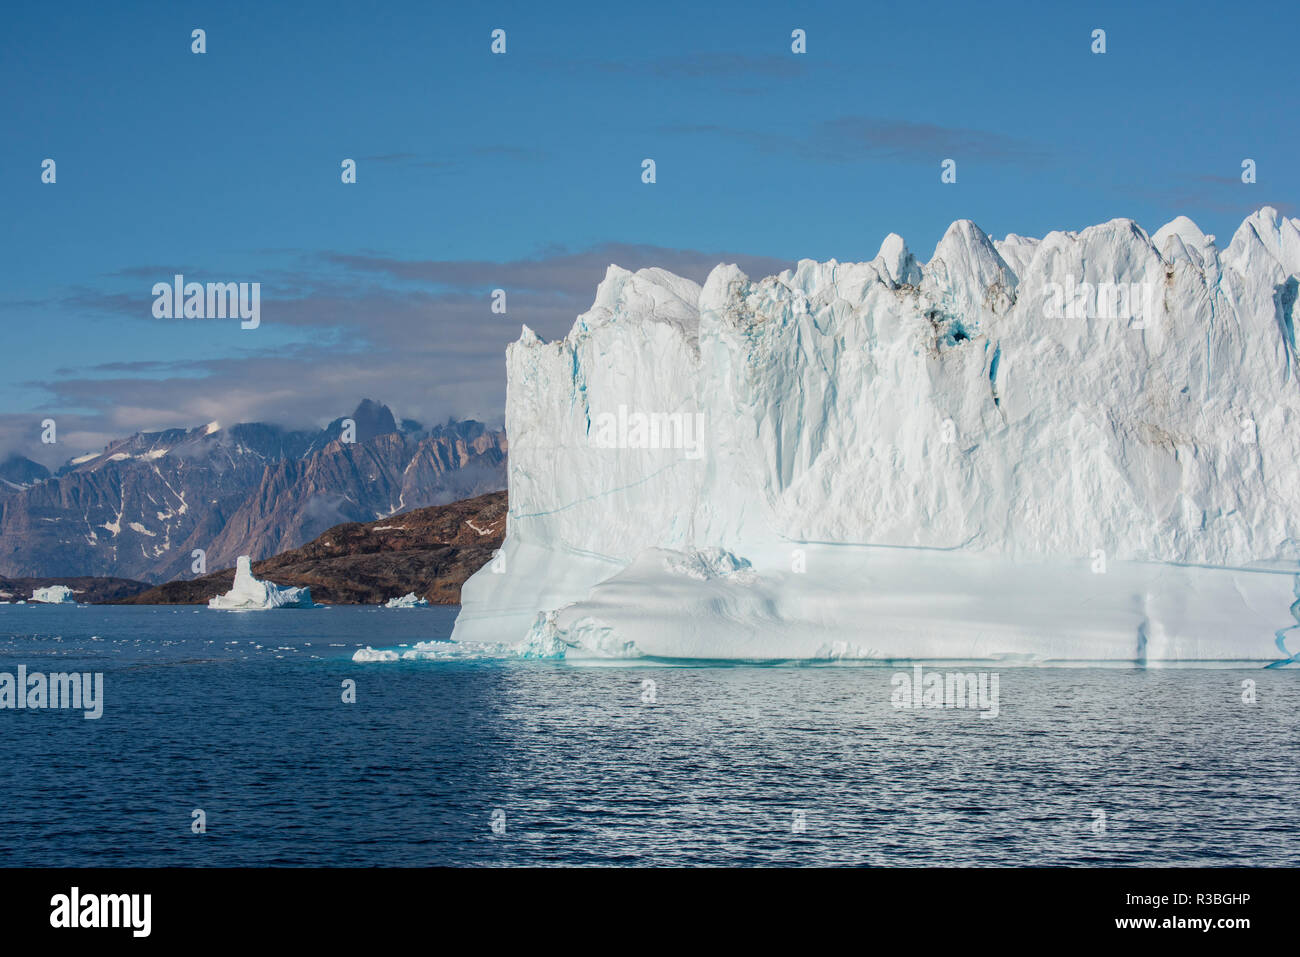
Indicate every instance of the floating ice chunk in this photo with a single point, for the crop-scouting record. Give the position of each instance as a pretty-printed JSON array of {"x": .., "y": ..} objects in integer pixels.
[
  {"x": 54, "y": 595},
  {"x": 409, "y": 600},
  {"x": 465, "y": 651},
  {"x": 252, "y": 594}
]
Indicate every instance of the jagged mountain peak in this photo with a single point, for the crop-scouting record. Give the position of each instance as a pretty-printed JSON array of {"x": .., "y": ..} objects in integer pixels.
[
  {"x": 371, "y": 419},
  {"x": 18, "y": 472},
  {"x": 144, "y": 503}
]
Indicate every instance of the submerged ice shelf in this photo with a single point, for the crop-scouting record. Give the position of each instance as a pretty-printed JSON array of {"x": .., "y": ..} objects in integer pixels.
[
  {"x": 877, "y": 604},
  {"x": 1081, "y": 448}
]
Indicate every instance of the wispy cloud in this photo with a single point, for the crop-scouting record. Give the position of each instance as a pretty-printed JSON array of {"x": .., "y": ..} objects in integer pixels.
[
  {"x": 458, "y": 159},
  {"x": 391, "y": 158},
  {"x": 418, "y": 334},
  {"x": 152, "y": 272},
  {"x": 849, "y": 138},
  {"x": 1227, "y": 196},
  {"x": 574, "y": 273},
  {"x": 708, "y": 65}
]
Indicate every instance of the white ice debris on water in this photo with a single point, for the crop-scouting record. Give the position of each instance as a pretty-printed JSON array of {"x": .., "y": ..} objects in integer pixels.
[
  {"x": 252, "y": 594},
  {"x": 409, "y": 600},
  {"x": 1082, "y": 448},
  {"x": 462, "y": 651},
  {"x": 54, "y": 595}
]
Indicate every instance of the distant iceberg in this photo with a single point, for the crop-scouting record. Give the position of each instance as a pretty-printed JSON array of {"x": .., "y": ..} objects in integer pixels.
[
  {"x": 54, "y": 595},
  {"x": 409, "y": 600},
  {"x": 251, "y": 594}
]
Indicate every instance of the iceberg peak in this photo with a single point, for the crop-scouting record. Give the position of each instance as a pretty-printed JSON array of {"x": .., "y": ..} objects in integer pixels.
[
  {"x": 1266, "y": 241},
  {"x": 895, "y": 261},
  {"x": 1182, "y": 239},
  {"x": 253, "y": 594}
]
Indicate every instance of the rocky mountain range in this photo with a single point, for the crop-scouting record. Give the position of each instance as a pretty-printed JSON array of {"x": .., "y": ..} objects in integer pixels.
[
  {"x": 140, "y": 508},
  {"x": 426, "y": 551}
]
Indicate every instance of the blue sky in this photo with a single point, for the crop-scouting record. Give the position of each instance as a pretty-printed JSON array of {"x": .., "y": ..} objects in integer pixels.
[{"x": 522, "y": 171}]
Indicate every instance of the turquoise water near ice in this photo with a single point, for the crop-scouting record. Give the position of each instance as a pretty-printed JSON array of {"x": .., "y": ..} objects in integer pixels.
[{"x": 242, "y": 715}]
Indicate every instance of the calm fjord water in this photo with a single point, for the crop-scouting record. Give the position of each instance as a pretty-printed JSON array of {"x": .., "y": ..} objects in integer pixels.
[{"x": 242, "y": 715}]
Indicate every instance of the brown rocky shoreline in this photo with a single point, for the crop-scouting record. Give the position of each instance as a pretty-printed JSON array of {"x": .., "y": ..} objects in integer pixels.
[{"x": 427, "y": 551}]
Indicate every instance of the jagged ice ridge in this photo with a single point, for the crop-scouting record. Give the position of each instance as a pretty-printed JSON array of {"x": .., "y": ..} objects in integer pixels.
[{"x": 918, "y": 460}]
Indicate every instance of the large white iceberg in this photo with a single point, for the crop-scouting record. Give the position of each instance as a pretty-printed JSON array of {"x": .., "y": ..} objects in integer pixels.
[
  {"x": 1080, "y": 448},
  {"x": 251, "y": 594},
  {"x": 54, "y": 595}
]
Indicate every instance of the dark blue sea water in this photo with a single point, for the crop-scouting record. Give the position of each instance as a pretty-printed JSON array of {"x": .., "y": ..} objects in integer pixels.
[{"x": 241, "y": 715}]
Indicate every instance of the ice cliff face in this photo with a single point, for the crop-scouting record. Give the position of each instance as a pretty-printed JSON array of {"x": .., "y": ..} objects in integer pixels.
[{"x": 1106, "y": 391}]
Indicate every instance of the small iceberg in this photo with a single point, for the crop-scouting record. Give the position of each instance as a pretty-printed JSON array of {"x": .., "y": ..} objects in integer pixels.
[
  {"x": 409, "y": 600},
  {"x": 252, "y": 594},
  {"x": 54, "y": 595}
]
